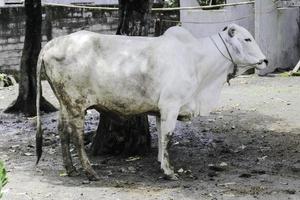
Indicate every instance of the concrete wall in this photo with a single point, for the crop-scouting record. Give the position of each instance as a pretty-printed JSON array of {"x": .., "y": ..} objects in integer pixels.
[
  {"x": 207, "y": 22},
  {"x": 277, "y": 32}
]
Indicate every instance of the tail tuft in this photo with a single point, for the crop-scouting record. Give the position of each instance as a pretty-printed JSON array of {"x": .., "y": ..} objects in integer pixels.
[{"x": 39, "y": 144}]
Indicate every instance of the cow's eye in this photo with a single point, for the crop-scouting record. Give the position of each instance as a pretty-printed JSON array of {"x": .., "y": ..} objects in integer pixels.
[{"x": 248, "y": 40}]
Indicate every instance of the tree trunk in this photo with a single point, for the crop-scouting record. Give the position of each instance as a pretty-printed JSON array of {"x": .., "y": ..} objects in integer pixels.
[
  {"x": 48, "y": 23},
  {"x": 26, "y": 101},
  {"x": 134, "y": 17},
  {"x": 129, "y": 136}
]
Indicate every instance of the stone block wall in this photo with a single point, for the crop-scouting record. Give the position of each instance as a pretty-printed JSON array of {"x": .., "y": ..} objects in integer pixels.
[
  {"x": 63, "y": 21},
  {"x": 12, "y": 30},
  {"x": 58, "y": 21}
]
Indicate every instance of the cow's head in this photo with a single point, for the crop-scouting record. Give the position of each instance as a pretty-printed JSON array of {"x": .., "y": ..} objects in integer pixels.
[{"x": 244, "y": 50}]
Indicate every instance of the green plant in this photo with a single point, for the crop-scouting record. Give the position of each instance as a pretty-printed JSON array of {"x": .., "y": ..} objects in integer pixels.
[
  {"x": 3, "y": 177},
  {"x": 5, "y": 80},
  {"x": 172, "y": 3}
]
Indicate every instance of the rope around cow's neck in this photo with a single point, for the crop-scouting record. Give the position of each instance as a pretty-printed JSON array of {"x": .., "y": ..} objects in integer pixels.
[{"x": 235, "y": 66}]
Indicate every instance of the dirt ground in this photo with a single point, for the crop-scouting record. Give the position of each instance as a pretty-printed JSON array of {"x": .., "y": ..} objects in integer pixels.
[{"x": 246, "y": 149}]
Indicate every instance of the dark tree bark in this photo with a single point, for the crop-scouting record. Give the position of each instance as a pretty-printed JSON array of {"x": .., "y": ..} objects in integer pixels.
[
  {"x": 134, "y": 16},
  {"x": 48, "y": 23},
  {"x": 126, "y": 136},
  {"x": 26, "y": 101}
]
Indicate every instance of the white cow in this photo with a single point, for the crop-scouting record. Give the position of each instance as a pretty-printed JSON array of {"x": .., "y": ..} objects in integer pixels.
[{"x": 174, "y": 75}]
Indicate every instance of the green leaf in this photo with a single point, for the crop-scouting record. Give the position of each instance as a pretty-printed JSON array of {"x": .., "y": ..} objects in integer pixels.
[
  {"x": 3, "y": 177},
  {"x": 288, "y": 74}
]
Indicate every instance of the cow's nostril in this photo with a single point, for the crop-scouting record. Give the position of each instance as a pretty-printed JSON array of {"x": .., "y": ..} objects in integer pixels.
[{"x": 266, "y": 61}]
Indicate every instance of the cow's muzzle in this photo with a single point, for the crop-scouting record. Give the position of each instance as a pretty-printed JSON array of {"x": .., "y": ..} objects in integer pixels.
[
  {"x": 262, "y": 64},
  {"x": 263, "y": 61}
]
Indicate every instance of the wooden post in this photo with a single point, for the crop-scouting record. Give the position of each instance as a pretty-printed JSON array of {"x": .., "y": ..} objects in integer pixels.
[{"x": 295, "y": 69}]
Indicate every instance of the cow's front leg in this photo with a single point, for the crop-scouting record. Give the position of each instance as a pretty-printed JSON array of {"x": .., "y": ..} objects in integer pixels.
[
  {"x": 77, "y": 130},
  {"x": 158, "y": 126},
  {"x": 168, "y": 123}
]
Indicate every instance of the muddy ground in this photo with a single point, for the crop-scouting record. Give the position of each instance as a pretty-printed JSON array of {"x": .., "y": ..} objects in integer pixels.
[{"x": 246, "y": 149}]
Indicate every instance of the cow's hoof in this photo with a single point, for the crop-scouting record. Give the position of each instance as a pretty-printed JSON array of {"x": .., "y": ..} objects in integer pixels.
[
  {"x": 171, "y": 177},
  {"x": 93, "y": 177},
  {"x": 73, "y": 172}
]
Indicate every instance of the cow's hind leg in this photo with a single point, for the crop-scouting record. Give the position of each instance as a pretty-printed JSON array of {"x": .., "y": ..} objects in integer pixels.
[
  {"x": 168, "y": 123},
  {"x": 64, "y": 133},
  {"x": 158, "y": 125},
  {"x": 77, "y": 125}
]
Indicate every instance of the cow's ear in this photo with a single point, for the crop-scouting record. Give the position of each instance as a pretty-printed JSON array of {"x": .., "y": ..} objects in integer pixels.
[{"x": 231, "y": 31}]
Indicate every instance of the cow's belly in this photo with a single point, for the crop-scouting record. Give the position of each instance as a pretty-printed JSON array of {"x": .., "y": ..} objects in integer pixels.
[
  {"x": 125, "y": 105},
  {"x": 125, "y": 95}
]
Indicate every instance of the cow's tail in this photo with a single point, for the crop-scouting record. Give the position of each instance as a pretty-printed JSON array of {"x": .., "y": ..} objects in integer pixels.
[{"x": 39, "y": 131}]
